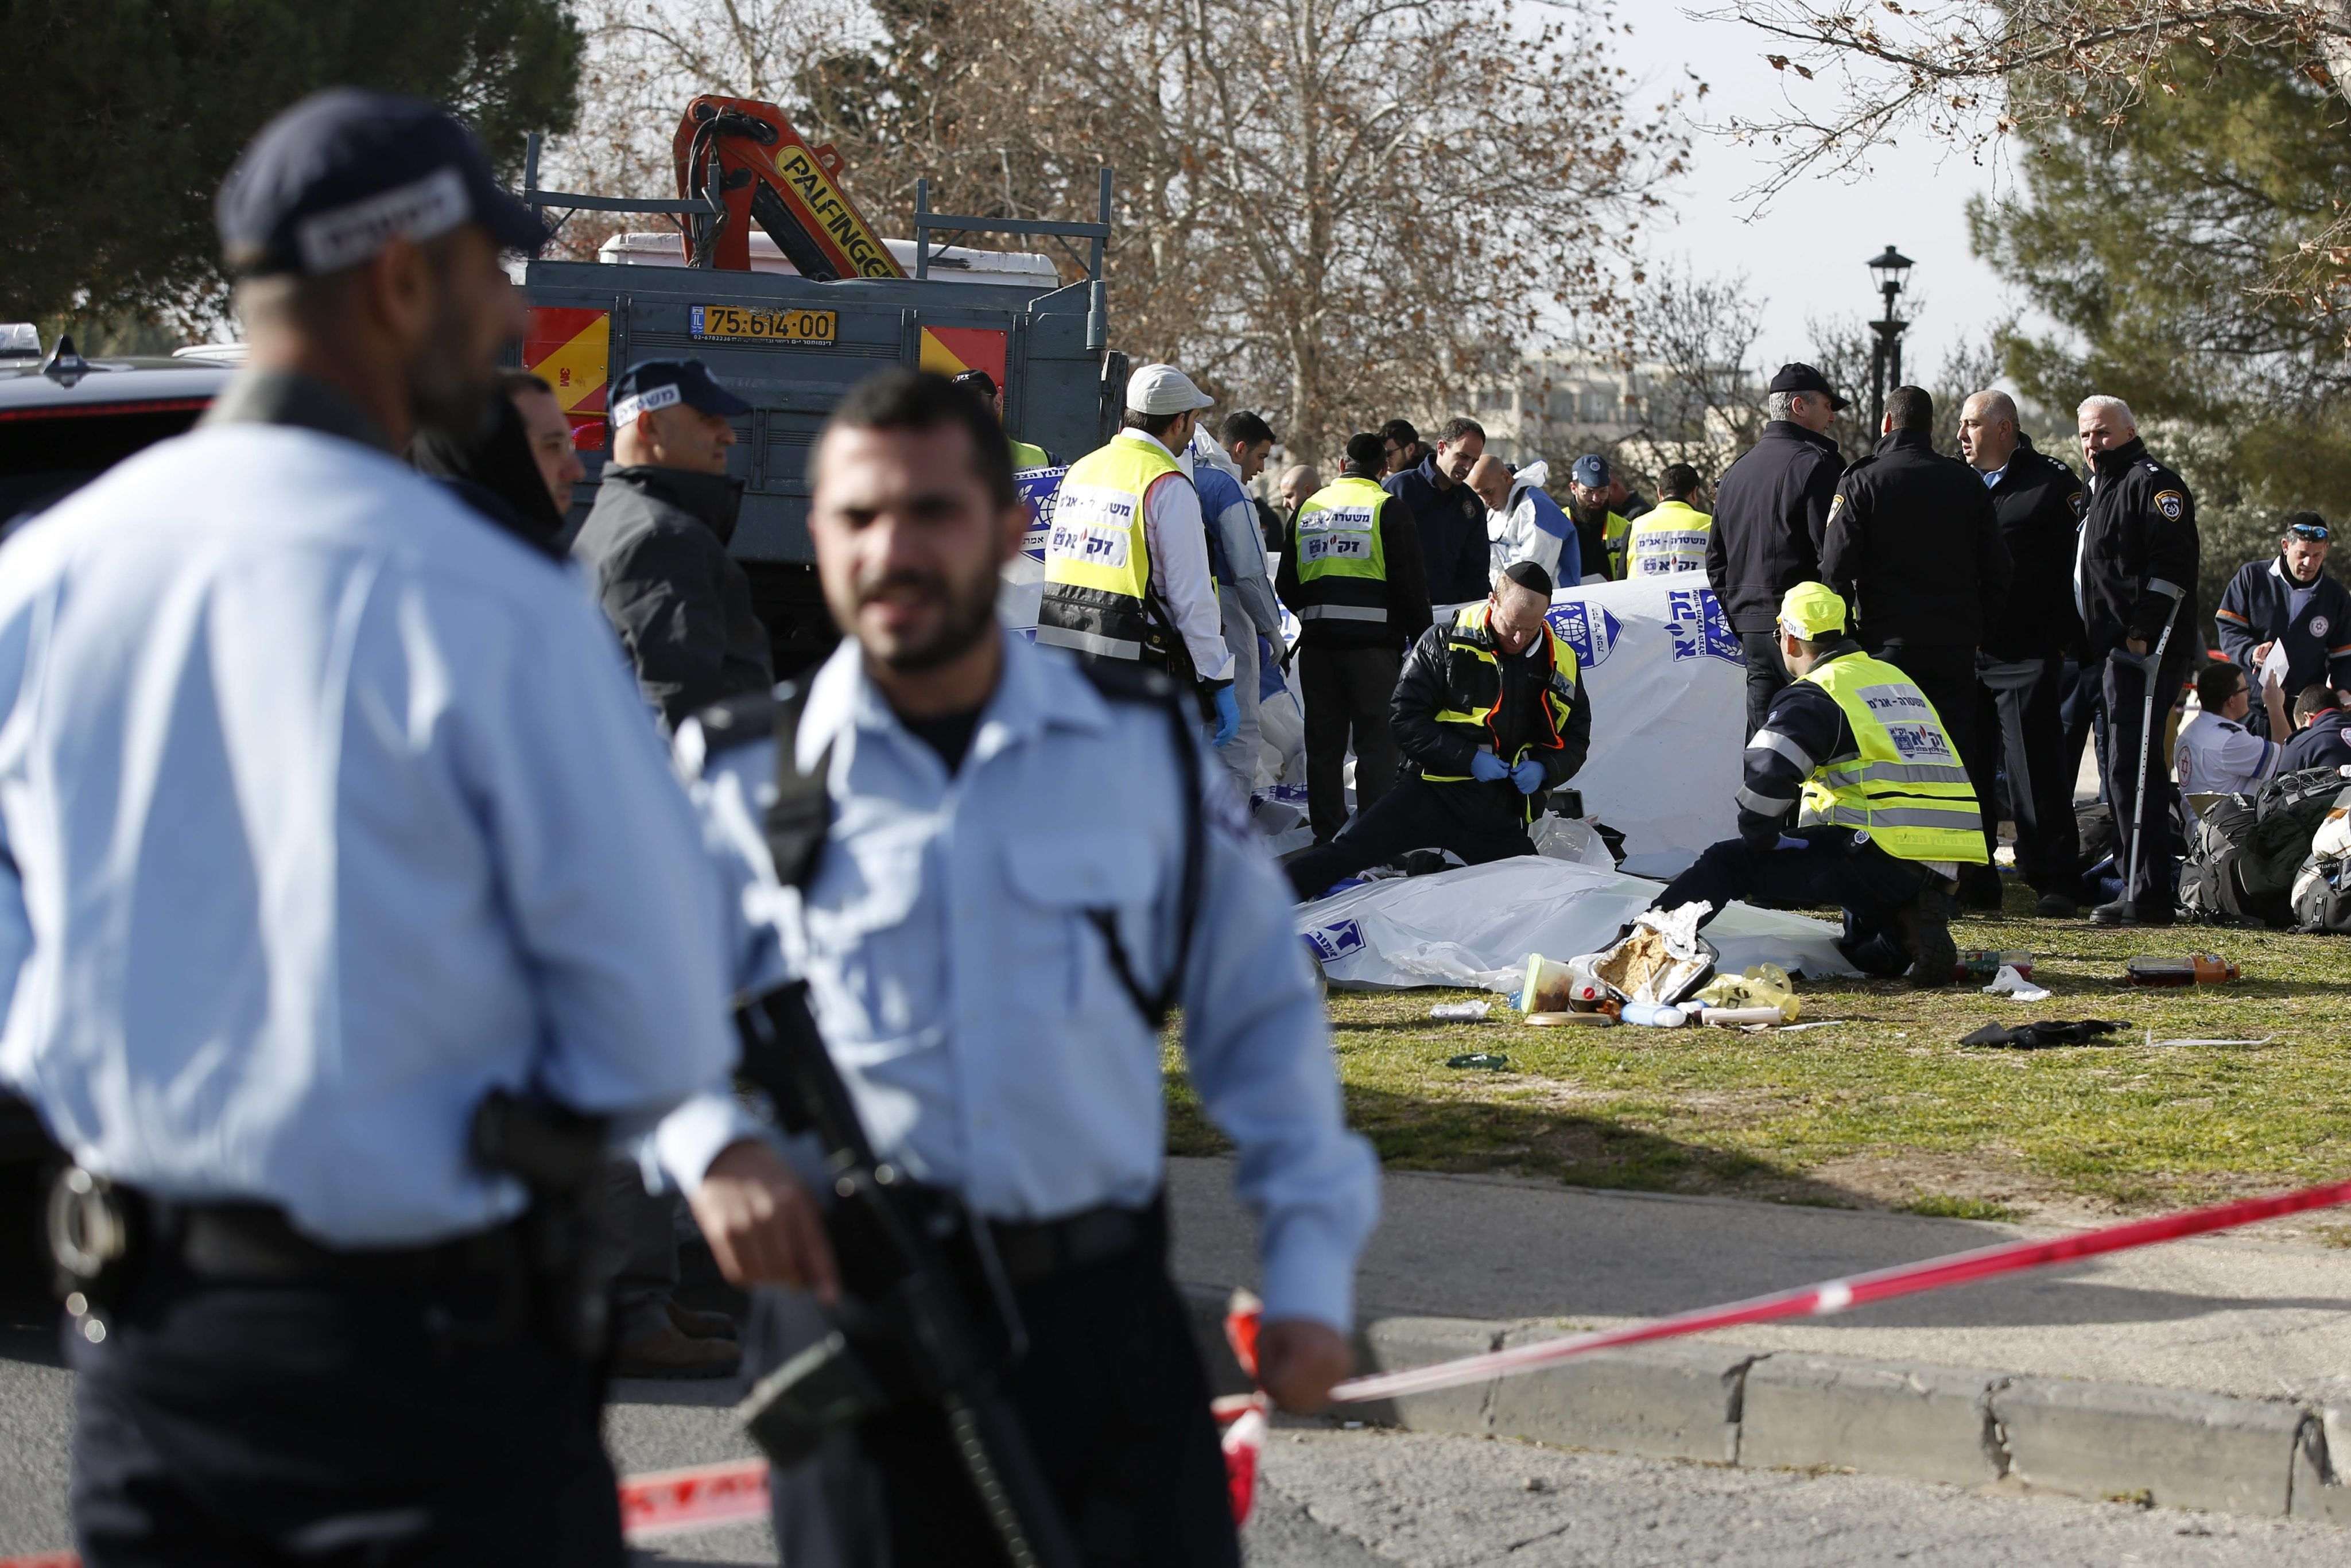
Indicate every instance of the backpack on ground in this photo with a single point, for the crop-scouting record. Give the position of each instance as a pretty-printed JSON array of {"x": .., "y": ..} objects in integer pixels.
[
  {"x": 2322, "y": 889},
  {"x": 2245, "y": 853},
  {"x": 2211, "y": 889},
  {"x": 2290, "y": 809}
]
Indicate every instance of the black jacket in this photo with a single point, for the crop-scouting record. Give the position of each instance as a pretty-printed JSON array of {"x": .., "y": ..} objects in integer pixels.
[
  {"x": 2257, "y": 607},
  {"x": 2038, "y": 502},
  {"x": 1769, "y": 511},
  {"x": 1914, "y": 547},
  {"x": 1803, "y": 721},
  {"x": 1434, "y": 677},
  {"x": 1452, "y": 524},
  {"x": 2139, "y": 554},
  {"x": 497, "y": 476},
  {"x": 2325, "y": 743},
  {"x": 1407, "y": 584},
  {"x": 656, "y": 544}
]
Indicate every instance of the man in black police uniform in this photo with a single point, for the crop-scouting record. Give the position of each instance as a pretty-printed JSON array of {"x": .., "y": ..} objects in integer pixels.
[
  {"x": 1490, "y": 715},
  {"x": 2021, "y": 670},
  {"x": 1913, "y": 548},
  {"x": 1770, "y": 511},
  {"x": 655, "y": 542},
  {"x": 2135, "y": 580}
]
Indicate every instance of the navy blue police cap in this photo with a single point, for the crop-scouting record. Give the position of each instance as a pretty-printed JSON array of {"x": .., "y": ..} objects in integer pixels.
[
  {"x": 1803, "y": 378},
  {"x": 330, "y": 182},
  {"x": 1591, "y": 471},
  {"x": 649, "y": 384}
]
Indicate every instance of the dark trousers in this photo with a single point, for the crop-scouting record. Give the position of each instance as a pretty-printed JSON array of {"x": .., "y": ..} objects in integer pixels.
[
  {"x": 1766, "y": 675},
  {"x": 316, "y": 1424},
  {"x": 1479, "y": 822},
  {"x": 642, "y": 1232},
  {"x": 2083, "y": 708},
  {"x": 1832, "y": 868},
  {"x": 2142, "y": 814},
  {"x": 1947, "y": 676},
  {"x": 2023, "y": 733},
  {"x": 1116, "y": 1405},
  {"x": 1347, "y": 692}
]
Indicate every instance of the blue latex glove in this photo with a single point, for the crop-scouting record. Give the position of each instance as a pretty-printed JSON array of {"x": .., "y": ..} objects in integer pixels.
[
  {"x": 1790, "y": 842},
  {"x": 1228, "y": 716},
  {"x": 1528, "y": 776},
  {"x": 1487, "y": 768}
]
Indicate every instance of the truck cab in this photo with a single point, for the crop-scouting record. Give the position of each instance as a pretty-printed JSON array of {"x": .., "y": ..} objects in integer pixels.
[{"x": 793, "y": 346}]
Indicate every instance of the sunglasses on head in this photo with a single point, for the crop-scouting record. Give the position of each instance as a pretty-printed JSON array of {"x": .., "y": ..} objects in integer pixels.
[{"x": 2315, "y": 532}]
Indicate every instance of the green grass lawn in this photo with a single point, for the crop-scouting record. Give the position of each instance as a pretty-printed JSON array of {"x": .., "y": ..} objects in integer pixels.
[{"x": 1886, "y": 1109}]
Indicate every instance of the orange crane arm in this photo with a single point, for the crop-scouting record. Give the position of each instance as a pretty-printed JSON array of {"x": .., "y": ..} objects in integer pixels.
[{"x": 765, "y": 173}]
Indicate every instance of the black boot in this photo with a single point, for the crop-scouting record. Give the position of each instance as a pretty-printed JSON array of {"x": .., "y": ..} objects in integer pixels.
[
  {"x": 1979, "y": 889},
  {"x": 1924, "y": 926}
]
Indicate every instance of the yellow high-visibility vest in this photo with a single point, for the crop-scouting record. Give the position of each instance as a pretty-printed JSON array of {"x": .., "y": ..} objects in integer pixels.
[
  {"x": 1903, "y": 783},
  {"x": 1343, "y": 560},
  {"x": 1670, "y": 536},
  {"x": 1097, "y": 566}
]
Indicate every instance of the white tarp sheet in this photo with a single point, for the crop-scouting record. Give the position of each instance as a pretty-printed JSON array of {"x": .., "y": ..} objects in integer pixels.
[
  {"x": 1668, "y": 694},
  {"x": 1474, "y": 926}
]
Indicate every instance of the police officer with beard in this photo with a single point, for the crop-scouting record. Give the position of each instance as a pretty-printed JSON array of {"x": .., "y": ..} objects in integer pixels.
[
  {"x": 327, "y": 821},
  {"x": 995, "y": 926}
]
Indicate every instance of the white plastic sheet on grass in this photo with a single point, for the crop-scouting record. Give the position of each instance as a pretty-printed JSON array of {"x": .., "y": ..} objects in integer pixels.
[{"x": 1474, "y": 926}]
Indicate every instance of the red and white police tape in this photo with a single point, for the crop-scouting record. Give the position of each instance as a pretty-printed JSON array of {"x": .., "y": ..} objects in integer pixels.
[
  {"x": 672, "y": 1502},
  {"x": 669, "y": 1502},
  {"x": 1858, "y": 1290}
]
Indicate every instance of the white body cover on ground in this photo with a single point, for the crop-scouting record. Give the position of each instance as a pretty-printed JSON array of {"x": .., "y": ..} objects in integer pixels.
[{"x": 1474, "y": 926}]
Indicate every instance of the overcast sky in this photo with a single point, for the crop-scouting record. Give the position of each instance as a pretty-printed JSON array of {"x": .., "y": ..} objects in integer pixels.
[{"x": 1806, "y": 253}]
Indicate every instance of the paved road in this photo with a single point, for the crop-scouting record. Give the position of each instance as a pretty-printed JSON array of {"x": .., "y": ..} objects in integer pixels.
[
  {"x": 1355, "y": 1499},
  {"x": 1360, "y": 1498}
]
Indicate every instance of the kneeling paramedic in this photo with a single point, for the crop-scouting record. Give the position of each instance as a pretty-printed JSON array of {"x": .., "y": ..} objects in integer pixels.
[
  {"x": 991, "y": 940},
  {"x": 1490, "y": 716},
  {"x": 1887, "y": 814}
]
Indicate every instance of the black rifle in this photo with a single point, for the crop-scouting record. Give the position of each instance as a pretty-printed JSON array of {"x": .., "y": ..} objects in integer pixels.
[{"x": 925, "y": 1317}]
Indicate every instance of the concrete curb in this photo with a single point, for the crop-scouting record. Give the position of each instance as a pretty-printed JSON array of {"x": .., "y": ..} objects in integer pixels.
[{"x": 1688, "y": 1400}]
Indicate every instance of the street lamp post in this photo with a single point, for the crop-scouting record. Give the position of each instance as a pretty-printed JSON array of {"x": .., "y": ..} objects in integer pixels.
[{"x": 1889, "y": 270}]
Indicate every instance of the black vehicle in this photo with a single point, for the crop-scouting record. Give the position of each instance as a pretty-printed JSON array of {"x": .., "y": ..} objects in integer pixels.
[{"x": 64, "y": 420}]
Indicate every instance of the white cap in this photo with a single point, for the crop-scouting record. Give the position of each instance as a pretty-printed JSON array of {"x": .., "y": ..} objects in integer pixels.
[{"x": 1163, "y": 389}]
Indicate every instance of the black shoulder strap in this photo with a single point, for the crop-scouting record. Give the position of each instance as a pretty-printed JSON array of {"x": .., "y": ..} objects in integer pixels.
[
  {"x": 801, "y": 815},
  {"x": 1123, "y": 681}
]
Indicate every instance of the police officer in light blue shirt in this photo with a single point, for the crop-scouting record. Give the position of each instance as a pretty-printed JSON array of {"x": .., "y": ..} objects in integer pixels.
[
  {"x": 327, "y": 813},
  {"x": 991, "y": 936}
]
